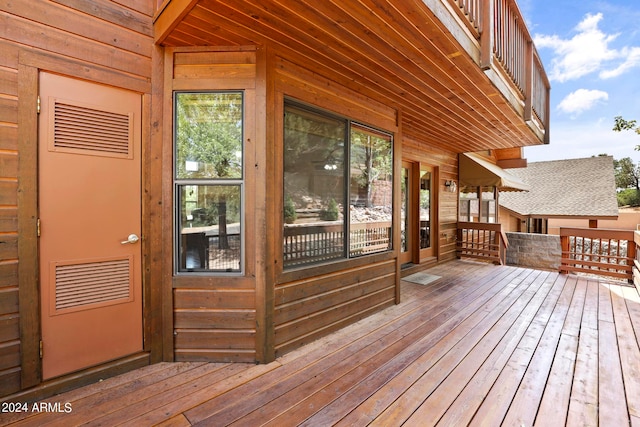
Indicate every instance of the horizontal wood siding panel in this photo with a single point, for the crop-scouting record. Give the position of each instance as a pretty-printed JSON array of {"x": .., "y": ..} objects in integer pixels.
[
  {"x": 331, "y": 321},
  {"x": 135, "y": 16},
  {"x": 214, "y": 299},
  {"x": 9, "y": 110},
  {"x": 8, "y": 164},
  {"x": 9, "y": 329},
  {"x": 8, "y": 245},
  {"x": 207, "y": 340},
  {"x": 116, "y": 34},
  {"x": 220, "y": 71},
  {"x": 9, "y": 193},
  {"x": 9, "y": 355},
  {"x": 214, "y": 319},
  {"x": 310, "y": 308},
  {"x": 316, "y": 303},
  {"x": 214, "y": 70},
  {"x": 9, "y": 81},
  {"x": 9, "y": 136},
  {"x": 30, "y": 33},
  {"x": 221, "y": 355},
  {"x": 211, "y": 58},
  {"x": 9, "y": 381},
  {"x": 8, "y": 301},
  {"x": 313, "y": 286}
]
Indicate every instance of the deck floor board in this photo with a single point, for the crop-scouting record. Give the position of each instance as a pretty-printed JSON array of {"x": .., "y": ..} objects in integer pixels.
[{"x": 483, "y": 345}]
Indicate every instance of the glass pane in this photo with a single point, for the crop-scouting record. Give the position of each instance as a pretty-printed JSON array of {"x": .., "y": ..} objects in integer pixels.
[
  {"x": 425, "y": 209},
  {"x": 209, "y": 135},
  {"x": 314, "y": 193},
  {"x": 210, "y": 234},
  {"x": 371, "y": 191},
  {"x": 404, "y": 211}
]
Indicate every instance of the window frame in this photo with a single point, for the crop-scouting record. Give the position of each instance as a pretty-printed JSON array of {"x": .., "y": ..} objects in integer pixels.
[
  {"x": 350, "y": 124},
  {"x": 178, "y": 183}
]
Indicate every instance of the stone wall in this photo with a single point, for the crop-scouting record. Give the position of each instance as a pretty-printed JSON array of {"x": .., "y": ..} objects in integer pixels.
[{"x": 534, "y": 250}]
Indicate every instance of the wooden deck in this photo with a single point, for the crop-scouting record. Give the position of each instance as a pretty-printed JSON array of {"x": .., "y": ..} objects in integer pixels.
[{"x": 483, "y": 345}]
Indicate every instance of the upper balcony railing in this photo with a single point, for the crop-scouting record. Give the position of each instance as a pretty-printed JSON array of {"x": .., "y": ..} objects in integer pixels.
[{"x": 505, "y": 43}]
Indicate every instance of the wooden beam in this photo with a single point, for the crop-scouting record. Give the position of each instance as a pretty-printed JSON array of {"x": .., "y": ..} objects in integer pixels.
[{"x": 170, "y": 17}]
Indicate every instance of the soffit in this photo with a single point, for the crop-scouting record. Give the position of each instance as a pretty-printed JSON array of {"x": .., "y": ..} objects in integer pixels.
[{"x": 396, "y": 52}]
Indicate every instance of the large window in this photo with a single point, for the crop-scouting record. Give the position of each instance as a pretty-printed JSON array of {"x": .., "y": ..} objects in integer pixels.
[
  {"x": 209, "y": 181},
  {"x": 337, "y": 188}
]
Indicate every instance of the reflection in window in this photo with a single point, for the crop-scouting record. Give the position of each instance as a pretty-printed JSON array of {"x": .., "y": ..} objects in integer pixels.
[
  {"x": 208, "y": 181},
  {"x": 425, "y": 209},
  {"x": 318, "y": 186},
  {"x": 210, "y": 232},
  {"x": 371, "y": 190},
  {"x": 314, "y": 193},
  {"x": 404, "y": 211},
  {"x": 209, "y": 135}
]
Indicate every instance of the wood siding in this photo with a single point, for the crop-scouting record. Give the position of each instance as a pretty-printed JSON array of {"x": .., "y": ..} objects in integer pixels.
[
  {"x": 101, "y": 41},
  {"x": 310, "y": 308},
  {"x": 215, "y": 316}
]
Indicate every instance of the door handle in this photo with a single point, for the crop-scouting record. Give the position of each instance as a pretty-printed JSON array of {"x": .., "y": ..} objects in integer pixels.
[{"x": 130, "y": 240}]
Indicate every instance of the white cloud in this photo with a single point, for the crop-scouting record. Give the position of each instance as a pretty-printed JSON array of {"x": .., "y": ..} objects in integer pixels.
[
  {"x": 588, "y": 51},
  {"x": 582, "y": 100},
  {"x": 632, "y": 60}
]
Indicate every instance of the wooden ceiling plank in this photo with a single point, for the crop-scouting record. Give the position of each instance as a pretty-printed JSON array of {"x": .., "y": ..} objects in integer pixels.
[
  {"x": 328, "y": 37},
  {"x": 395, "y": 65}
]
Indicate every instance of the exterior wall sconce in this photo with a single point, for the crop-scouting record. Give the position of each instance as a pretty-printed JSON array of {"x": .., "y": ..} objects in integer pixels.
[{"x": 451, "y": 186}]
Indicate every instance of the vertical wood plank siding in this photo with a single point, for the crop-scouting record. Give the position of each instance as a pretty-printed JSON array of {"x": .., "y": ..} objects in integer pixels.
[
  {"x": 215, "y": 316},
  {"x": 100, "y": 40}
]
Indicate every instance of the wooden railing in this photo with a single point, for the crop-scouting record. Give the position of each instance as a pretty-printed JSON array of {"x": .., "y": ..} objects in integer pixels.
[
  {"x": 636, "y": 261},
  {"x": 313, "y": 243},
  {"x": 470, "y": 10},
  {"x": 598, "y": 251},
  {"x": 482, "y": 241},
  {"x": 500, "y": 28}
]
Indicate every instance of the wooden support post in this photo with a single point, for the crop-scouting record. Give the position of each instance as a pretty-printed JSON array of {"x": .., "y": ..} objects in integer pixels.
[
  {"x": 528, "y": 82},
  {"x": 486, "y": 35}
]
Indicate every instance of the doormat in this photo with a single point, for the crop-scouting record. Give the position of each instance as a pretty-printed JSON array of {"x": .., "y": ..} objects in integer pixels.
[{"x": 421, "y": 278}]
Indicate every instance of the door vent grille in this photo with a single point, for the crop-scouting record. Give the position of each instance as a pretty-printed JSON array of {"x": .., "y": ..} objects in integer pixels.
[
  {"x": 79, "y": 285},
  {"x": 79, "y": 129}
]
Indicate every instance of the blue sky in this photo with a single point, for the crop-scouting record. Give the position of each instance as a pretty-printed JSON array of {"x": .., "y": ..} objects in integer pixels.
[{"x": 591, "y": 52}]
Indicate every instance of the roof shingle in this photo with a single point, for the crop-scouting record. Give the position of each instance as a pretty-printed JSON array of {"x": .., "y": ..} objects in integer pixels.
[{"x": 561, "y": 188}]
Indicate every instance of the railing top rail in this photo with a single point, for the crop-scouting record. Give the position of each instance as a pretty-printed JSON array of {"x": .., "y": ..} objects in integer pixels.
[{"x": 489, "y": 226}]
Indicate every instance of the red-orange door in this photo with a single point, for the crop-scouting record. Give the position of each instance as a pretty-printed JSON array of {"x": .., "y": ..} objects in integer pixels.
[{"x": 90, "y": 216}]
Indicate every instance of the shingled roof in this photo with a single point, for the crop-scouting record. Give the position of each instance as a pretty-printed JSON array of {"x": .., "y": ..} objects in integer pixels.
[{"x": 566, "y": 188}]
